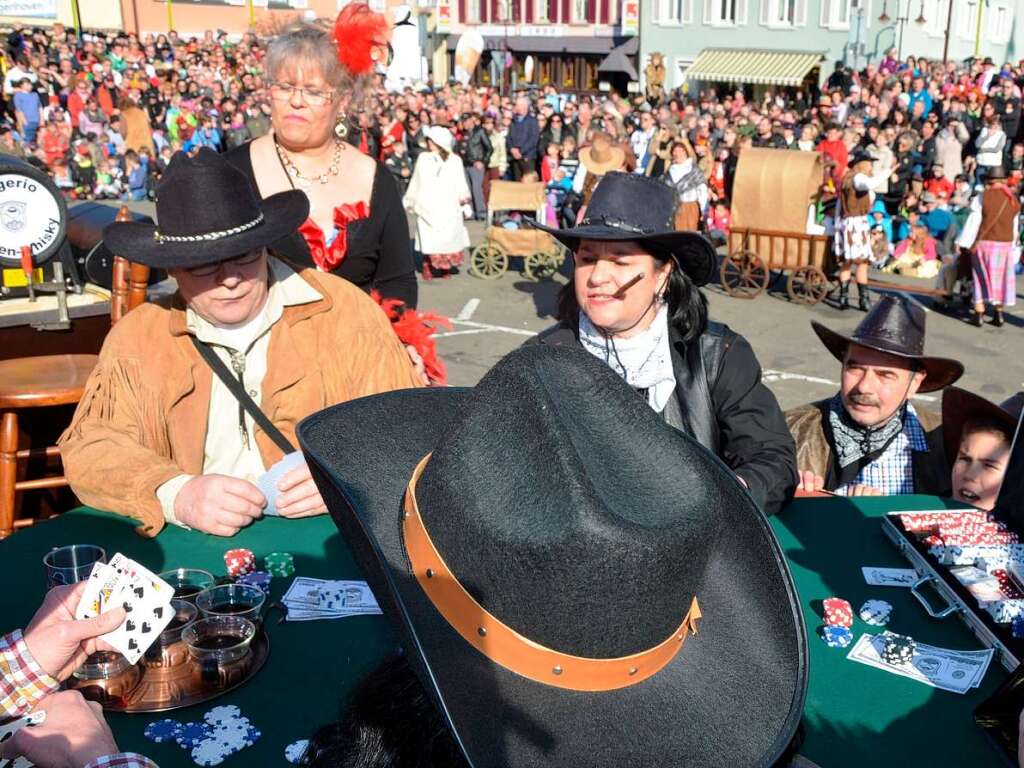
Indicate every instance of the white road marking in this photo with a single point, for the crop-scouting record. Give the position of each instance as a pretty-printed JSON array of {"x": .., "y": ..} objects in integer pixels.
[
  {"x": 467, "y": 311},
  {"x": 468, "y": 332},
  {"x": 489, "y": 327}
]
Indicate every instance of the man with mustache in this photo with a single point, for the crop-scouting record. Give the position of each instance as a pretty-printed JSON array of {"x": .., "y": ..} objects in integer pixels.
[{"x": 869, "y": 439}]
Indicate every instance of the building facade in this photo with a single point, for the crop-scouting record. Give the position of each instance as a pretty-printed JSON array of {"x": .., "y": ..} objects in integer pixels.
[
  {"x": 737, "y": 32},
  {"x": 563, "y": 43}
]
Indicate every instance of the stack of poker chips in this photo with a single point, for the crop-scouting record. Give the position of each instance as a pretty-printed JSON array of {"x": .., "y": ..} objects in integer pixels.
[
  {"x": 239, "y": 562},
  {"x": 898, "y": 649},
  {"x": 260, "y": 579},
  {"x": 875, "y": 612},
  {"x": 279, "y": 564},
  {"x": 838, "y": 620},
  {"x": 1017, "y": 627},
  {"x": 222, "y": 732}
]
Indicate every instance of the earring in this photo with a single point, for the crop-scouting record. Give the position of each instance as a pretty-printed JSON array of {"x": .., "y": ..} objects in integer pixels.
[{"x": 341, "y": 126}]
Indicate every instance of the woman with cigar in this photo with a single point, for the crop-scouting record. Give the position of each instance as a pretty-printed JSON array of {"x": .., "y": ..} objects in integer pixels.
[
  {"x": 356, "y": 227},
  {"x": 633, "y": 301}
]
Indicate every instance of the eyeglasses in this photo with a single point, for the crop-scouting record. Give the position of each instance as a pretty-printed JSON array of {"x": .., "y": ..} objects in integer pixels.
[
  {"x": 312, "y": 97},
  {"x": 239, "y": 261}
]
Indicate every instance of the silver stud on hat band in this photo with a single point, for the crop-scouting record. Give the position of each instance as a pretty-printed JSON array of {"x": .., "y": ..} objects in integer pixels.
[{"x": 206, "y": 236}]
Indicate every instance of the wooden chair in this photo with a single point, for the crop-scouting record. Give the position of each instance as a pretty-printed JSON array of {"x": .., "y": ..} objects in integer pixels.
[{"x": 51, "y": 380}]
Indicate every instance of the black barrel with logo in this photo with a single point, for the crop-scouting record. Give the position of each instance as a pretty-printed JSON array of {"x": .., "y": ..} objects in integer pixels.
[{"x": 32, "y": 212}]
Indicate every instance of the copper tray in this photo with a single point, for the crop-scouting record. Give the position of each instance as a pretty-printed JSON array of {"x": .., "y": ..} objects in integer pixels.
[{"x": 172, "y": 680}]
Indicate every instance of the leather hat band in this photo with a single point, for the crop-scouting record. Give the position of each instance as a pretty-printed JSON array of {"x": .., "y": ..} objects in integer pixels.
[{"x": 506, "y": 647}]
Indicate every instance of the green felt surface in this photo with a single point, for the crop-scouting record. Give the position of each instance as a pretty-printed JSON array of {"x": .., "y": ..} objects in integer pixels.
[{"x": 855, "y": 715}]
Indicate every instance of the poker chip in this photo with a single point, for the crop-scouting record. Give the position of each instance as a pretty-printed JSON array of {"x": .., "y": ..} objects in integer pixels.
[
  {"x": 238, "y": 738},
  {"x": 192, "y": 734},
  {"x": 838, "y": 612},
  {"x": 211, "y": 752},
  {"x": 239, "y": 562},
  {"x": 163, "y": 730},
  {"x": 221, "y": 714},
  {"x": 294, "y": 752},
  {"x": 1017, "y": 627},
  {"x": 898, "y": 649},
  {"x": 875, "y": 612},
  {"x": 259, "y": 579},
  {"x": 279, "y": 564},
  {"x": 836, "y": 637}
]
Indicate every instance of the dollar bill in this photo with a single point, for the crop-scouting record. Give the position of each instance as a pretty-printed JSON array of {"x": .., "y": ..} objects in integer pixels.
[{"x": 956, "y": 671}]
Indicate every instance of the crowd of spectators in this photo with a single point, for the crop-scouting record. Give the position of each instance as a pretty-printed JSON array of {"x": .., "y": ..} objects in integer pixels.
[{"x": 104, "y": 112}]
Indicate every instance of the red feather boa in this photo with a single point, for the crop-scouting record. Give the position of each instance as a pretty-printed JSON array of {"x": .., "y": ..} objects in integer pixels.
[
  {"x": 362, "y": 38},
  {"x": 415, "y": 328}
]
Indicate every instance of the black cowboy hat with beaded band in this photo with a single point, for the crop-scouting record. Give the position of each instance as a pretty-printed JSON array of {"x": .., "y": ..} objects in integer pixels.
[
  {"x": 895, "y": 326},
  {"x": 626, "y": 206},
  {"x": 207, "y": 211},
  {"x": 548, "y": 604}
]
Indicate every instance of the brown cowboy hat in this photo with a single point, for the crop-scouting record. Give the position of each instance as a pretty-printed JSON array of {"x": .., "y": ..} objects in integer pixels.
[
  {"x": 894, "y": 326},
  {"x": 602, "y": 155},
  {"x": 960, "y": 406}
]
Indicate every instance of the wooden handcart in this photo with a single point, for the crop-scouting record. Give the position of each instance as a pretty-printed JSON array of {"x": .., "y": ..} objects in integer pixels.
[{"x": 542, "y": 255}]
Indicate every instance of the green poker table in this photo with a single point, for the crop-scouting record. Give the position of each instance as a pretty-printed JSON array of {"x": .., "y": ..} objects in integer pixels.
[{"x": 854, "y": 716}]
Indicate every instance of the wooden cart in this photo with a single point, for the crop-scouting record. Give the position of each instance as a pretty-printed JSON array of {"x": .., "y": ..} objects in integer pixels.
[
  {"x": 542, "y": 255},
  {"x": 772, "y": 192}
]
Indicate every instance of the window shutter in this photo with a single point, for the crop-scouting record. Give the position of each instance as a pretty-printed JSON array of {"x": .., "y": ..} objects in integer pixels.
[
  {"x": 709, "y": 16},
  {"x": 462, "y": 11},
  {"x": 741, "y": 12},
  {"x": 801, "y": 13},
  {"x": 604, "y": 18},
  {"x": 766, "y": 10},
  {"x": 826, "y": 8},
  {"x": 592, "y": 11},
  {"x": 688, "y": 11},
  {"x": 566, "y": 17}
]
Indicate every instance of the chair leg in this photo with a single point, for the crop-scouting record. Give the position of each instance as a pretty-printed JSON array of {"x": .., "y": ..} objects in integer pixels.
[{"x": 8, "y": 470}]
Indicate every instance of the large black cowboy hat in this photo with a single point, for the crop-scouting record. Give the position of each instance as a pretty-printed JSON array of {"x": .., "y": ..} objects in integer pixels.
[
  {"x": 894, "y": 326},
  {"x": 626, "y": 206},
  {"x": 207, "y": 211},
  {"x": 960, "y": 406},
  {"x": 552, "y": 503}
]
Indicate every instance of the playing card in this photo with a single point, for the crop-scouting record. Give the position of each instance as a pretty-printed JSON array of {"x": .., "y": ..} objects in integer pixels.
[
  {"x": 102, "y": 583},
  {"x": 7, "y": 731},
  {"x": 130, "y": 569},
  {"x": 267, "y": 483},
  {"x": 889, "y": 577},
  {"x": 148, "y": 612}
]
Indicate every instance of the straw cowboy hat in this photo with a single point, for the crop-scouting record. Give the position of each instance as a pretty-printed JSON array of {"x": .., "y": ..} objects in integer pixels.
[
  {"x": 625, "y": 206},
  {"x": 894, "y": 326},
  {"x": 207, "y": 211},
  {"x": 602, "y": 155},
  {"x": 545, "y": 544}
]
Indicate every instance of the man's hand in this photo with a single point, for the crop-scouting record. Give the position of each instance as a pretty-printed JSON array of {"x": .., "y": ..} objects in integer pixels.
[
  {"x": 514, "y": 151},
  {"x": 478, "y": 164},
  {"x": 418, "y": 364},
  {"x": 57, "y": 641},
  {"x": 73, "y": 734},
  {"x": 299, "y": 494},
  {"x": 218, "y": 504},
  {"x": 864, "y": 490},
  {"x": 810, "y": 482}
]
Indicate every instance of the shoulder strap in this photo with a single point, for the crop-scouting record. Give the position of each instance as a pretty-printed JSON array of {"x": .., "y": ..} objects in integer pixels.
[{"x": 238, "y": 391}]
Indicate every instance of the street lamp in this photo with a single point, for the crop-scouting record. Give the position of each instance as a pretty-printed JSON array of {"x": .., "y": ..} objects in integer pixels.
[{"x": 902, "y": 19}]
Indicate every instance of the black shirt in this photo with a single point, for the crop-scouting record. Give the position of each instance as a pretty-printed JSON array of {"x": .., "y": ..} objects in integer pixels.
[{"x": 379, "y": 250}]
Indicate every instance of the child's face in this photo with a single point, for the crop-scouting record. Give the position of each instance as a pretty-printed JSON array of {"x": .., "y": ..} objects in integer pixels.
[{"x": 979, "y": 468}]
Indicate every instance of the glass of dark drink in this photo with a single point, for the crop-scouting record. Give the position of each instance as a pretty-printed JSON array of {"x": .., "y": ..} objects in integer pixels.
[
  {"x": 217, "y": 641},
  {"x": 188, "y": 582},
  {"x": 239, "y": 600}
]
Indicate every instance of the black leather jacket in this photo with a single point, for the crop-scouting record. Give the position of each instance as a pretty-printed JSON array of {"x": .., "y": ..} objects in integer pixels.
[
  {"x": 726, "y": 408},
  {"x": 478, "y": 147}
]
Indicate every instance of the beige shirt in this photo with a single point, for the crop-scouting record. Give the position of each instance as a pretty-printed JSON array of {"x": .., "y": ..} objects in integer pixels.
[{"x": 227, "y": 451}]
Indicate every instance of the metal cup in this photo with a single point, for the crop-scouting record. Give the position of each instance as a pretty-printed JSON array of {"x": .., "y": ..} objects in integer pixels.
[{"x": 70, "y": 564}]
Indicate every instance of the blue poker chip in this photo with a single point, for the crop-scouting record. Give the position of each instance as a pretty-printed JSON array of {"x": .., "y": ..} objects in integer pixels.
[
  {"x": 163, "y": 730},
  {"x": 1018, "y": 627},
  {"x": 238, "y": 738},
  {"x": 836, "y": 636},
  {"x": 259, "y": 579},
  {"x": 222, "y": 714},
  {"x": 192, "y": 734}
]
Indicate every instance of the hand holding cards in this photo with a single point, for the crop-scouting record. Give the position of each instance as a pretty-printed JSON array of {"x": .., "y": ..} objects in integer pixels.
[{"x": 146, "y": 599}]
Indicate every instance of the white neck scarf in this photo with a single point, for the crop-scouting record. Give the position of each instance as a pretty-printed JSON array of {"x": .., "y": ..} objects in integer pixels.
[{"x": 644, "y": 360}]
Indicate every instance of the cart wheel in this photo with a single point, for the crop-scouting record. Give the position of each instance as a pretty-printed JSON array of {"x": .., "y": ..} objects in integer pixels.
[
  {"x": 540, "y": 265},
  {"x": 488, "y": 261},
  {"x": 744, "y": 275},
  {"x": 807, "y": 285}
]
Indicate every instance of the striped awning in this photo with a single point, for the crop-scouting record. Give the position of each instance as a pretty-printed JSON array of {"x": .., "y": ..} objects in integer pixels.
[{"x": 730, "y": 65}]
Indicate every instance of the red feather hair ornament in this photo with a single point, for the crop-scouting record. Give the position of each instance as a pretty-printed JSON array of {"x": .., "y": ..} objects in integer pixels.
[{"x": 362, "y": 38}]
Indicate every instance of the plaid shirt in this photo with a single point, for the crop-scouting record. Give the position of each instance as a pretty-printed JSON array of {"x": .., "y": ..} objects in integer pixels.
[
  {"x": 23, "y": 683},
  {"x": 893, "y": 472}
]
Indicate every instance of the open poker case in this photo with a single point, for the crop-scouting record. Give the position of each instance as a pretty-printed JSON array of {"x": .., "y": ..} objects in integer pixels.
[{"x": 999, "y": 714}]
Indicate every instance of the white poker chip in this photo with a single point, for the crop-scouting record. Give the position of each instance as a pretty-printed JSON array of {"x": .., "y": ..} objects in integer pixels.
[
  {"x": 211, "y": 752},
  {"x": 875, "y": 612},
  {"x": 294, "y": 751},
  {"x": 223, "y": 713}
]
